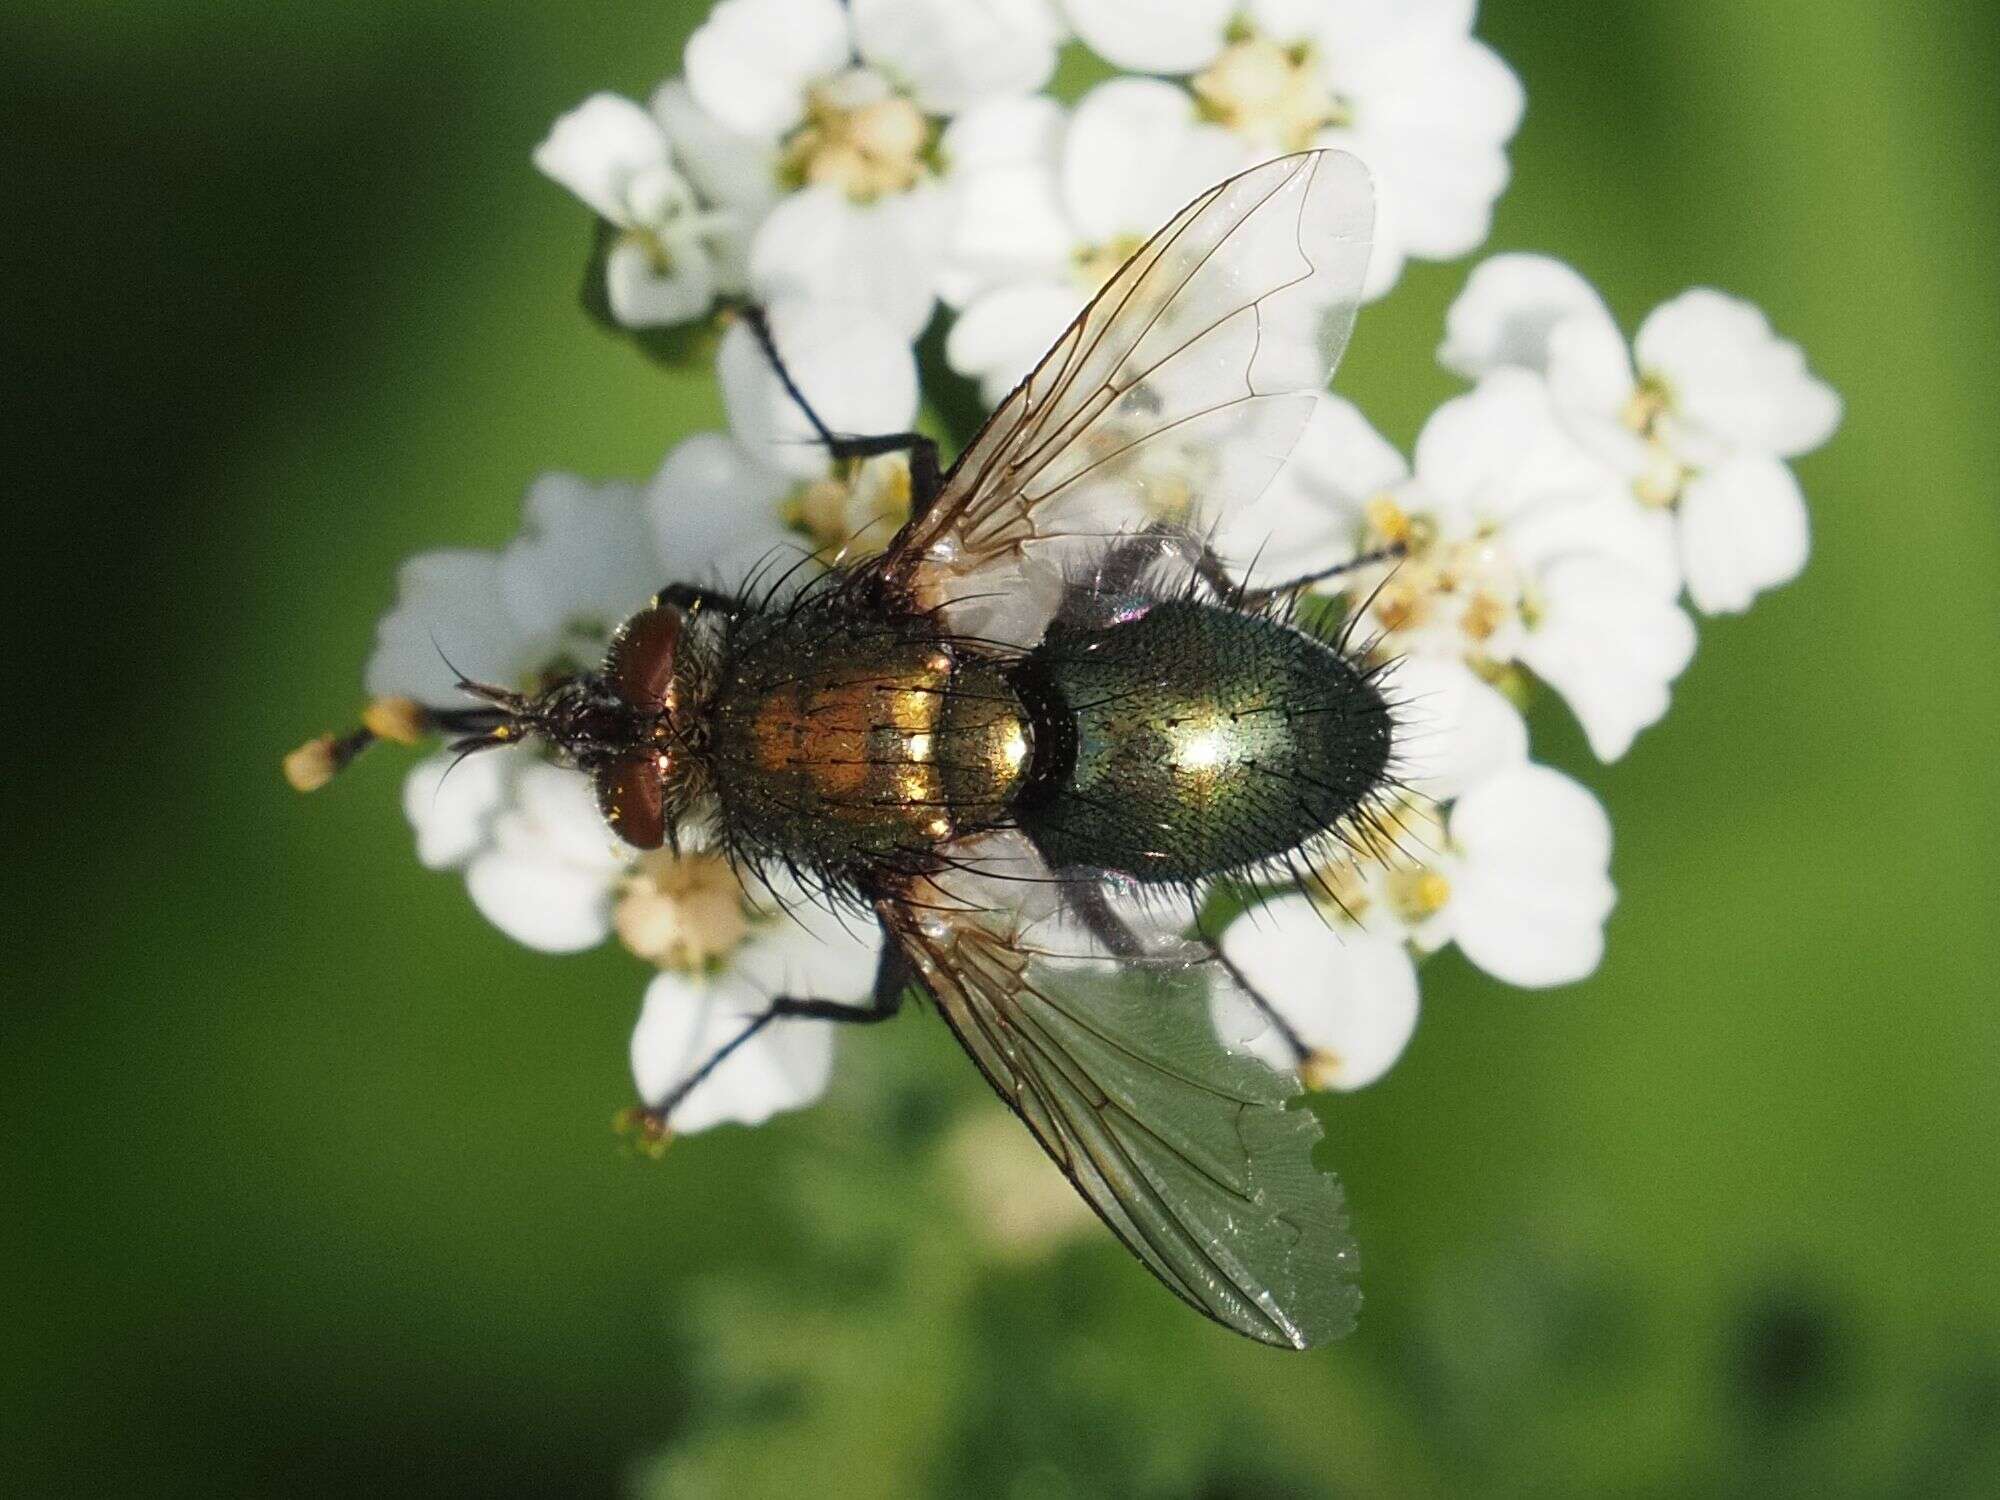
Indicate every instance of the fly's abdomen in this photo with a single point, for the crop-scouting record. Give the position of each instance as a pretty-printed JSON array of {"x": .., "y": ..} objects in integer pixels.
[
  {"x": 838, "y": 742},
  {"x": 1193, "y": 740}
]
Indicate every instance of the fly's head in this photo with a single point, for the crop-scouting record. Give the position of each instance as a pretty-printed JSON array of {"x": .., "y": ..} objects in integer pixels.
[{"x": 626, "y": 725}]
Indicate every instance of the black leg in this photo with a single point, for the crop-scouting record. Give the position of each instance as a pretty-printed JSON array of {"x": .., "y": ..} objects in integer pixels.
[
  {"x": 1085, "y": 898},
  {"x": 1255, "y": 598},
  {"x": 892, "y": 977},
  {"x": 925, "y": 476}
]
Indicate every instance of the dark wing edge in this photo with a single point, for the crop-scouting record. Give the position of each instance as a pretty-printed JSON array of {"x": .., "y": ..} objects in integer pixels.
[
  {"x": 1185, "y": 1149},
  {"x": 1215, "y": 334}
]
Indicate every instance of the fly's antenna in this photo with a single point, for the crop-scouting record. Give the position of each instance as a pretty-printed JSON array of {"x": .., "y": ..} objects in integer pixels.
[{"x": 496, "y": 722}]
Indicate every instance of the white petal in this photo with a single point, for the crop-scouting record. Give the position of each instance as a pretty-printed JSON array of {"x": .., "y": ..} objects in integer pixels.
[
  {"x": 584, "y": 558},
  {"x": 1433, "y": 112},
  {"x": 1007, "y": 224},
  {"x": 1346, "y": 993},
  {"x": 820, "y": 246},
  {"x": 643, "y": 296},
  {"x": 1507, "y": 310},
  {"x": 448, "y": 604},
  {"x": 727, "y": 167},
  {"x": 714, "y": 512},
  {"x": 1365, "y": 33},
  {"x": 451, "y": 802},
  {"x": 687, "y": 1020},
  {"x": 1147, "y": 36},
  {"x": 750, "y": 63},
  {"x": 1452, "y": 729},
  {"x": 953, "y": 53},
  {"x": 1136, "y": 154},
  {"x": 852, "y": 365},
  {"x": 1499, "y": 454},
  {"x": 736, "y": 174},
  {"x": 548, "y": 878},
  {"x": 554, "y": 817},
  {"x": 1004, "y": 132},
  {"x": 598, "y": 148},
  {"x": 813, "y": 951},
  {"x": 546, "y": 905},
  {"x": 1531, "y": 894},
  {"x": 1732, "y": 379},
  {"x": 1589, "y": 371},
  {"x": 1743, "y": 529},
  {"x": 998, "y": 338},
  {"x": 1610, "y": 644}
]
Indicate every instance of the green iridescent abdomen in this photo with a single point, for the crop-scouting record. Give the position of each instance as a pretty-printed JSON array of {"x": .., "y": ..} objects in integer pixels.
[{"x": 1194, "y": 740}]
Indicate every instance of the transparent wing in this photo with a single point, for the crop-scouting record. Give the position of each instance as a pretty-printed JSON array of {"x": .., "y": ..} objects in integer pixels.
[
  {"x": 1185, "y": 1148},
  {"x": 1172, "y": 399}
]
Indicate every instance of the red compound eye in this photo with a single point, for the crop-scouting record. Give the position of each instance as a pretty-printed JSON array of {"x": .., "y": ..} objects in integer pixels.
[
  {"x": 631, "y": 795},
  {"x": 640, "y": 664}
]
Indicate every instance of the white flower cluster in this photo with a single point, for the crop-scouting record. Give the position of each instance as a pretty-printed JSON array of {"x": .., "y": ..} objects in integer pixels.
[
  {"x": 854, "y": 168},
  {"x": 1553, "y": 520}
]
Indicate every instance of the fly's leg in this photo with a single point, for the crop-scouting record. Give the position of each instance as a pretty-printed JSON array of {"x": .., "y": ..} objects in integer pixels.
[
  {"x": 925, "y": 475},
  {"x": 1216, "y": 573},
  {"x": 892, "y": 977}
]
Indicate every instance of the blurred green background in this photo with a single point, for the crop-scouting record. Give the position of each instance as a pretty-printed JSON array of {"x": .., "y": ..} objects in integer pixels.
[{"x": 309, "y": 1181}]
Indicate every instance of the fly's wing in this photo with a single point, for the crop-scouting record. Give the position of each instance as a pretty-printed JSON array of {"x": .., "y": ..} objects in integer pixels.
[
  {"x": 1185, "y": 1148},
  {"x": 1171, "y": 400}
]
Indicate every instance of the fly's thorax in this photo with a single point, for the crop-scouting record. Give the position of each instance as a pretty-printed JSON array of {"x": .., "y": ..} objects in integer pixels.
[
  {"x": 1195, "y": 740},
  {"x": 840, "y": 739}
]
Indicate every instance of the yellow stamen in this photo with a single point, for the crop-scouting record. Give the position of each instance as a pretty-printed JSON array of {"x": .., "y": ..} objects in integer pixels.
[
  {"x": 1387, "y": 521},
  {"x": 867, "y": 149},
  {"x": 1276, "y": 95}
]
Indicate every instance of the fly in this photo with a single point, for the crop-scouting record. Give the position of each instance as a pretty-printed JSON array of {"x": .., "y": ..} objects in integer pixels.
[{"x": 1038, "y": 727}]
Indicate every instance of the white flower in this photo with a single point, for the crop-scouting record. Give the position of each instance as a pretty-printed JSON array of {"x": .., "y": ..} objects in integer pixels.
[
  {"x": 1700, "y": 425},
  {"x": 1047, "y": 205},
  {"x": 782, "y": 943},
  {"x": 1402, "y": 85},
  {"x": 539, "y": 862},
  {"x": 1519, "y": 548},
  {"x": 672, "y": 255},
  {"x": 1515, "y": 873},
  {"x": 841, "y": 105}
]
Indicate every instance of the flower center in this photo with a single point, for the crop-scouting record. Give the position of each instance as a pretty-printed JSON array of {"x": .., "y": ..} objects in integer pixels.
[
  {"x": 861, "y": 137},
  {"x": 1276, "y": 95},
  {"x": 1646, "y": 414},
  {"x": 855, "y": 510},
  {"x": 1463, "y": 587},
  {"x": 1389, "y": 870},
  {"x": 682, "y": 911}
]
